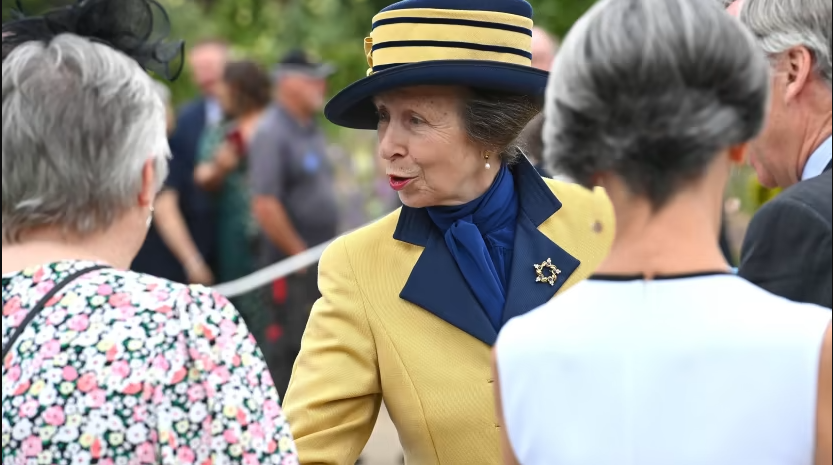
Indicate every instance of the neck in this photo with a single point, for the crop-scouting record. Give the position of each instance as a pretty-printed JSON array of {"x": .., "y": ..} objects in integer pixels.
[
  {"x": 295, "y": 109},
  {"x": 49, "y": 245},
  {"x": 815, "y": 136},
  {"x": 680, "y": 238}
]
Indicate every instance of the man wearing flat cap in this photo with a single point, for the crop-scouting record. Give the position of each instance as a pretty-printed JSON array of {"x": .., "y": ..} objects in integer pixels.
[{"x": 293, "y": 193}]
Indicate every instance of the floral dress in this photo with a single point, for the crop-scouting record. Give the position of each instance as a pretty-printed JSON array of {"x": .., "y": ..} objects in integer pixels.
[{"x": 126, "y": 369}]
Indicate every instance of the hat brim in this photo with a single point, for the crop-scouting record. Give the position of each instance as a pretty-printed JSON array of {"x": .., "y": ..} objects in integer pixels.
[{"x": 353, "y": 107}]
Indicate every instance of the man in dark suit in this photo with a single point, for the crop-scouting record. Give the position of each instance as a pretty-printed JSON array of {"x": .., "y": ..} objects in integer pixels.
[
  {"x": 787, "y": 250},
  {"x": 180, "y": 243}
]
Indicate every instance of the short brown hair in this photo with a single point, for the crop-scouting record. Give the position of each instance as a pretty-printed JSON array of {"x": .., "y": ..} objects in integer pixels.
[{"x": 250, "y": 86}]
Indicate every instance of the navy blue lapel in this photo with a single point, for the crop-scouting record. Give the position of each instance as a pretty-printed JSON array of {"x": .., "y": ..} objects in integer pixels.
[
  {"x": 437, "y": 285},
  {"x": 532, "y": 247}
]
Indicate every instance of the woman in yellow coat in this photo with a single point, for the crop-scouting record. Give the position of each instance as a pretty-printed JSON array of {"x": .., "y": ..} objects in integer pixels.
[{"x": 413, "y": 303}]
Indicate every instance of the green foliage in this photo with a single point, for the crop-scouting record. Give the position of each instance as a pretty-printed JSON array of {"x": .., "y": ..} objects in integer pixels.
[
  {"x": 265, "y": 29},
  {"x": 331, "y": 29}
]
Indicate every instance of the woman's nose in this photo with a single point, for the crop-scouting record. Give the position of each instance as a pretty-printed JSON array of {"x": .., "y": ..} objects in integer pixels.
[{"x": 391, "y": 144}]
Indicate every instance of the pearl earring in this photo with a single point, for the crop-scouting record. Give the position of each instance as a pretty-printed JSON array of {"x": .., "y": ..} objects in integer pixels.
[
  {"x": 150, "y": 217},
  {"x": 488, "y": 165}
]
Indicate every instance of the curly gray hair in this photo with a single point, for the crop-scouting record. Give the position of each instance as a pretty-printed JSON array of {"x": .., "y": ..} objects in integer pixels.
[{"x": 79, "y": 122}]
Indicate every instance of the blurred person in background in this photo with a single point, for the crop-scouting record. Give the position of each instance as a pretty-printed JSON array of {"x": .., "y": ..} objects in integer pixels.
[
  {"x": 293, "y": 193},
  {"x": 101, "y": 364},
  {"x": 412, "y": 303},
  {"x": 663, "y": 356},
  {"x": 788, "y": 249},
  {"x": 544, "y": 49},
  {"x": 180, "y": 245},
  {"x": 244, "y": 94}
]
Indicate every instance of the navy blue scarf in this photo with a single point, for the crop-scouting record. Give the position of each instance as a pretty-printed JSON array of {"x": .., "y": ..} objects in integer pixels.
[{"x": 480, "y": 236}]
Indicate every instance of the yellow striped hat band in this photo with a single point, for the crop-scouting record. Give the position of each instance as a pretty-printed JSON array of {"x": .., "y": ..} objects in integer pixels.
[{"x": 422, "y": 34}]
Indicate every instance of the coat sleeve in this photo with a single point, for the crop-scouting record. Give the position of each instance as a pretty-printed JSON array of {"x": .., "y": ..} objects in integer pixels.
[
  {"x": 787, "y": 252},
  {"x": 334, "y": 395}
]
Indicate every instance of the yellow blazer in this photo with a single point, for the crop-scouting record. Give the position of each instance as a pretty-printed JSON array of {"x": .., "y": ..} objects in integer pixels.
[{"x": 397, "y": 322}]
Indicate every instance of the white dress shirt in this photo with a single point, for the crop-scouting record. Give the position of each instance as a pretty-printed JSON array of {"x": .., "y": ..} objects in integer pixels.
[{"x": 818, "y": 161}]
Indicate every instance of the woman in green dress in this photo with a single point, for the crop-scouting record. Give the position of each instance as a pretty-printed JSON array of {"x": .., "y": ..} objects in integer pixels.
[{"x": 244, "y": 94}]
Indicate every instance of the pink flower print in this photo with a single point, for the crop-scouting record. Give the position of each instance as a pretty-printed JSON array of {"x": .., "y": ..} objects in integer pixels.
[
  {"x": 236, "y": 360},
  {"x": 227, "y": 327},
  {"x": 29, "y": 409},
  {"x": 96, "y": 398},
  {"x": 70, "y": 374},
  {"x": 196, "y": 393},
  {"x": 271, "y": 447},
  {"x": 126, "y": 313},
  {"x": 79, "y": 323},
  {"x": 107, "y": 462},
  {"x": 250, "y": 459},
  {"x": 12, "y": 306},
  {"x": 96, "y": 448},
  {"x": 23, "y": 388},
  {"x": 179, "y": 375},
  {"x": 119, "y": 300},
  {"x": 17, "y": 319},
  {"x": 271, "y": 409},
  {"x": 132, "y": 389},
  {"x": 120, "y": 369},
  {"x": 104, "y": 290},
  {"x": 54, "y": 416},
  {"x": 38, "y": 277},
  {"x": 146, "y": 453},
  {"x": 185, "y": 455},
  {"x": 165, "y": 309},
  {"x": 112, "y": 353},
  {"x": 222, "y": 373},
  {"x": 87, "y": 383},
  {"x": 31, "y": 447},
  {"x": 230, "y": 436},
  {"x": 158, "y": 395},
  {"x": 140, "y": 414},
  {"x": 256, "y": 431},
  {"x": 50, "y": 349},
  {"x": 57, "y": 317},
  {"x": 161, "y": 363},
  {"x": 13, "y": 375},
  {"x": 44, "y": 287}
]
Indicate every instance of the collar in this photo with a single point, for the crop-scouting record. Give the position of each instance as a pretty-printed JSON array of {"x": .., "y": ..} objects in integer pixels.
[
  {"x": 535, "y": 199},
  {"x": 819, "y": 160}
]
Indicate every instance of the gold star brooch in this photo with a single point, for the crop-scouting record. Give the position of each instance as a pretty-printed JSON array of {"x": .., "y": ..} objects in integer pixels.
[{"x": 551, "y": 277}]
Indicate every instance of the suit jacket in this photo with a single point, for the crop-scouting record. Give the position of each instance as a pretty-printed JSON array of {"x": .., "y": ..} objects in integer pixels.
[
  {"x": 787, "y": 250},
  {"x": 397, "y": 322}
]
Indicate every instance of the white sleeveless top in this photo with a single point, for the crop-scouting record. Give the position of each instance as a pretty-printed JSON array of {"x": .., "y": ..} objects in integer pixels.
[{"x": 700, "y": 370}]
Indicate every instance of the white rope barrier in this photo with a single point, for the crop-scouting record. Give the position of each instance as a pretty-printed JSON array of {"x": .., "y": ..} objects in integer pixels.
[{"x": 274, "y": 272}]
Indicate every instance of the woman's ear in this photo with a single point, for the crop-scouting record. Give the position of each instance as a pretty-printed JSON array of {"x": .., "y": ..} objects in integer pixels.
[{"x": 148, "y": 193}]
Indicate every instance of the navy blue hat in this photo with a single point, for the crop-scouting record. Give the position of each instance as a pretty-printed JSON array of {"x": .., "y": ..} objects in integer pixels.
[{"x": 484, "y": 44}]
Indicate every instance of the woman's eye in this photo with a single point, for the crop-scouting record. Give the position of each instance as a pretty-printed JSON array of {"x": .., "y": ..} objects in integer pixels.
[
  {"x": 382, "y": 115},
  {"x": 415, "y": 120}
]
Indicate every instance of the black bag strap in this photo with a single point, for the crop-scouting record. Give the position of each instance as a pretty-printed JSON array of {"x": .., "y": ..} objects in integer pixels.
[{"x": 42, "y": 304}]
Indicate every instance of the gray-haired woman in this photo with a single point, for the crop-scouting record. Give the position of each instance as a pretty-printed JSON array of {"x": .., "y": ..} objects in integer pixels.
[
  {"x": 663, "y": 356},
  {"x": 102, "y": 365}
]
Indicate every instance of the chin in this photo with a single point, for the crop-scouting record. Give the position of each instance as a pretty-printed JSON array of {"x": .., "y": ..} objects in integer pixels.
[{"x": 414, "y": 200}]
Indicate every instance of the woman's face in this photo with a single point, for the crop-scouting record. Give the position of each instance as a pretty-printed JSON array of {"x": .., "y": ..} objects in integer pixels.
[{"x": 429, "y": 159}]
